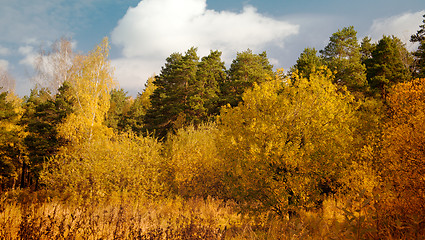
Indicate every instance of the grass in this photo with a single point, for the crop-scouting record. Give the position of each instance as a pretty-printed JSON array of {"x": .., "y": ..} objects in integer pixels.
[{"x": 31, "y": 217}]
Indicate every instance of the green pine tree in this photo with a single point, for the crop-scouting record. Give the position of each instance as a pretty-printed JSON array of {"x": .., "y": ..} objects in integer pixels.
[
  {"x": 419, "y": 54},
  {"x": 390, "y": 64},
  {"x": 342, "y": 54},
  {"x": 248, "y": 68}
]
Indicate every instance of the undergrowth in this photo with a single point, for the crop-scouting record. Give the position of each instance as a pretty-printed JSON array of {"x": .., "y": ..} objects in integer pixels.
[{"x": 32, "y": 217}]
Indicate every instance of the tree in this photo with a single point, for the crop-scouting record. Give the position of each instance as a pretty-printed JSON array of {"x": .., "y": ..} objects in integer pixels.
[
  {"x": 389, "y": 64},
  {"x": 419, "y": 37},
  {"x": 52, "y": 67},
  {"x": 43, "y": 114},
  {"x": 109, "y": 167},
  {"x": 286, "y": 143},
  {"x": 91, "y": 81},
  {"x": 12, "y": 149},
  {"x": 403, "y": 155},
  {"x": 172, "y": 104},
  {"x": 366, "y": 49},
  {"x": 118, "y": 107},
  {"x": 211, "y": 75},
  {"x": 134, "y": 117},
  {"x": 195, "y": 166},
  {"x": 7, "y": 83},
  {"x": 307, "y": 62},
  {"x": 342, "y": 54},
  {"x": 246, "y": 69}
]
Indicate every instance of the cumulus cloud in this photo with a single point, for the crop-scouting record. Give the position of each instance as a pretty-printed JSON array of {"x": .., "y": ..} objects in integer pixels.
[
  {"x": 4, "y": 65},
  {"x": 154, "y": 29},
  {"x": 401, "y": 26},
  {"x": 28, "y": 54}
]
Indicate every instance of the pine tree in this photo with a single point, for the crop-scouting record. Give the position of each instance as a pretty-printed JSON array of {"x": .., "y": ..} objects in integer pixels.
[
  {"x": 248, "y": 68},
  {"x": 119, "y": 105},
  {"x": 171, "y": 101},
  {"x": 132, "y": 119},
  {"x": 389, "y": 64},
  {"x": 12, "y": 150},
  {"x": 419, "y": 37},
  {"x": 342, "y": 54},
  {"x": 43, "y": 114},
  {"x": 211, "y": 75},
  {"x": 307, "y": 62}
]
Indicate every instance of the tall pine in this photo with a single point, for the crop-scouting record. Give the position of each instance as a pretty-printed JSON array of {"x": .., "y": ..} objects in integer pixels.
[{"x": 419, "y": 37}]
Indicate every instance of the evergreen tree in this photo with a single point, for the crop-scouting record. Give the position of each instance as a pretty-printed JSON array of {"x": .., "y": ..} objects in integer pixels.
[
  {"x": 342, "y": 55},
  {"x": 12, "y": 150},
  {"x": 119, "y": 105},
  {"x": 389, "y": 64},
  {"x": 172, "y": 104},
  {"x": 366, "y": 49},
  {"x": 419, "y": 37},
  {"x": 211, "y": 75},
  {"x": 132, "y": 119},
  {"x": 43, "y": 114},
  {"x": 308, "y": 62},
  {"x": 246, "y": 69}
]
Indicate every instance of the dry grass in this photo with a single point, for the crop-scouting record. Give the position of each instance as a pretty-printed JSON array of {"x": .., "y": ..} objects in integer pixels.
[{"x": 187, "y": 219}]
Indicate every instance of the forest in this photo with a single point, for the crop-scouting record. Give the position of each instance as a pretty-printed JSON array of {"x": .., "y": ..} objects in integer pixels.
[{"x": 332, "y": 148}]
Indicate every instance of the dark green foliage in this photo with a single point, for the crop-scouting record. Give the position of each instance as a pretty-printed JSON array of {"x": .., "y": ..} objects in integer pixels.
[
  {"x": 389, "y": 64},
  {"x": 307, "y": 62},
  {"x": 132, "y": 119},
  {"x": 42, "y": 115},
  {"x": 366, "y": 48},
  {"x": 171, "y": 100},
  {"x": 246, "y": 69},
  {"x": 118, "y": 107},
  {"x": 211, "y": 75},
  {"x": 186, "y": 92},
  {"x": 342, "y": 55},
  {"x": 419, "y": 37}
]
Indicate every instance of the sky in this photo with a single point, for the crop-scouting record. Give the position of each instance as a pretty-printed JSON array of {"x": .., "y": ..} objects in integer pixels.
[{"x": 143, "y": 34}]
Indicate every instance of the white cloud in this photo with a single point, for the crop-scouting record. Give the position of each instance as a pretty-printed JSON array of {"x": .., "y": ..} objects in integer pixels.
[
  {"x": 133, "y": 72},
  {"x": 401, "y": 26},
  {"x": 154, "y": 29},
  {"x": 4, "y": 65},
  {"x": 25, "y": 50},
  {"x": 28, "y": 54}
]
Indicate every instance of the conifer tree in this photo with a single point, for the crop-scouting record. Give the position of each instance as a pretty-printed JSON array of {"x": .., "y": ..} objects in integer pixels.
[
  {"x": 307, "y": 62},
  {"x": 248, "y": 68},
  {"x": 119, "y": 105},
  {"x": 211, "y": 75},
  {"x": 171, "y": 101},
  {"x": 12, "y": 150},
  {"x": 389, "y": 64},
  {"x": 132, "y": 119},
  {"x": 419, "y": 37},
  {"x": 342, "y": 54}
]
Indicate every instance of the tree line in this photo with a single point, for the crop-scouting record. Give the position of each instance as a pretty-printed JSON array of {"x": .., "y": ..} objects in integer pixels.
[{"x": 343, "y": 119}]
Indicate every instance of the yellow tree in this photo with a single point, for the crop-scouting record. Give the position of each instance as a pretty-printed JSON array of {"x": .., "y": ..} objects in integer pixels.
[
  {"x": 12, "y": 134},
  {"x": 91, "y": 81},
  {"x": 286, "y": 142},
  {"x": 403, "y": 145}
]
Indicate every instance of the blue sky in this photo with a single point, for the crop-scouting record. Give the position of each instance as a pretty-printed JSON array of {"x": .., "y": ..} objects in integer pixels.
[{"x": 144, "y": 33}]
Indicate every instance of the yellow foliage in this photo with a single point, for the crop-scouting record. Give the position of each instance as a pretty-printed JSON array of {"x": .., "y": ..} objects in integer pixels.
[
  {"x": 122, "y": 166},
  {"x": 91, "y": 81},
  {"x": 286, "y": 138},
  {"x": 403, "y": 154},
  {"x": 195, "y": 162}
]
